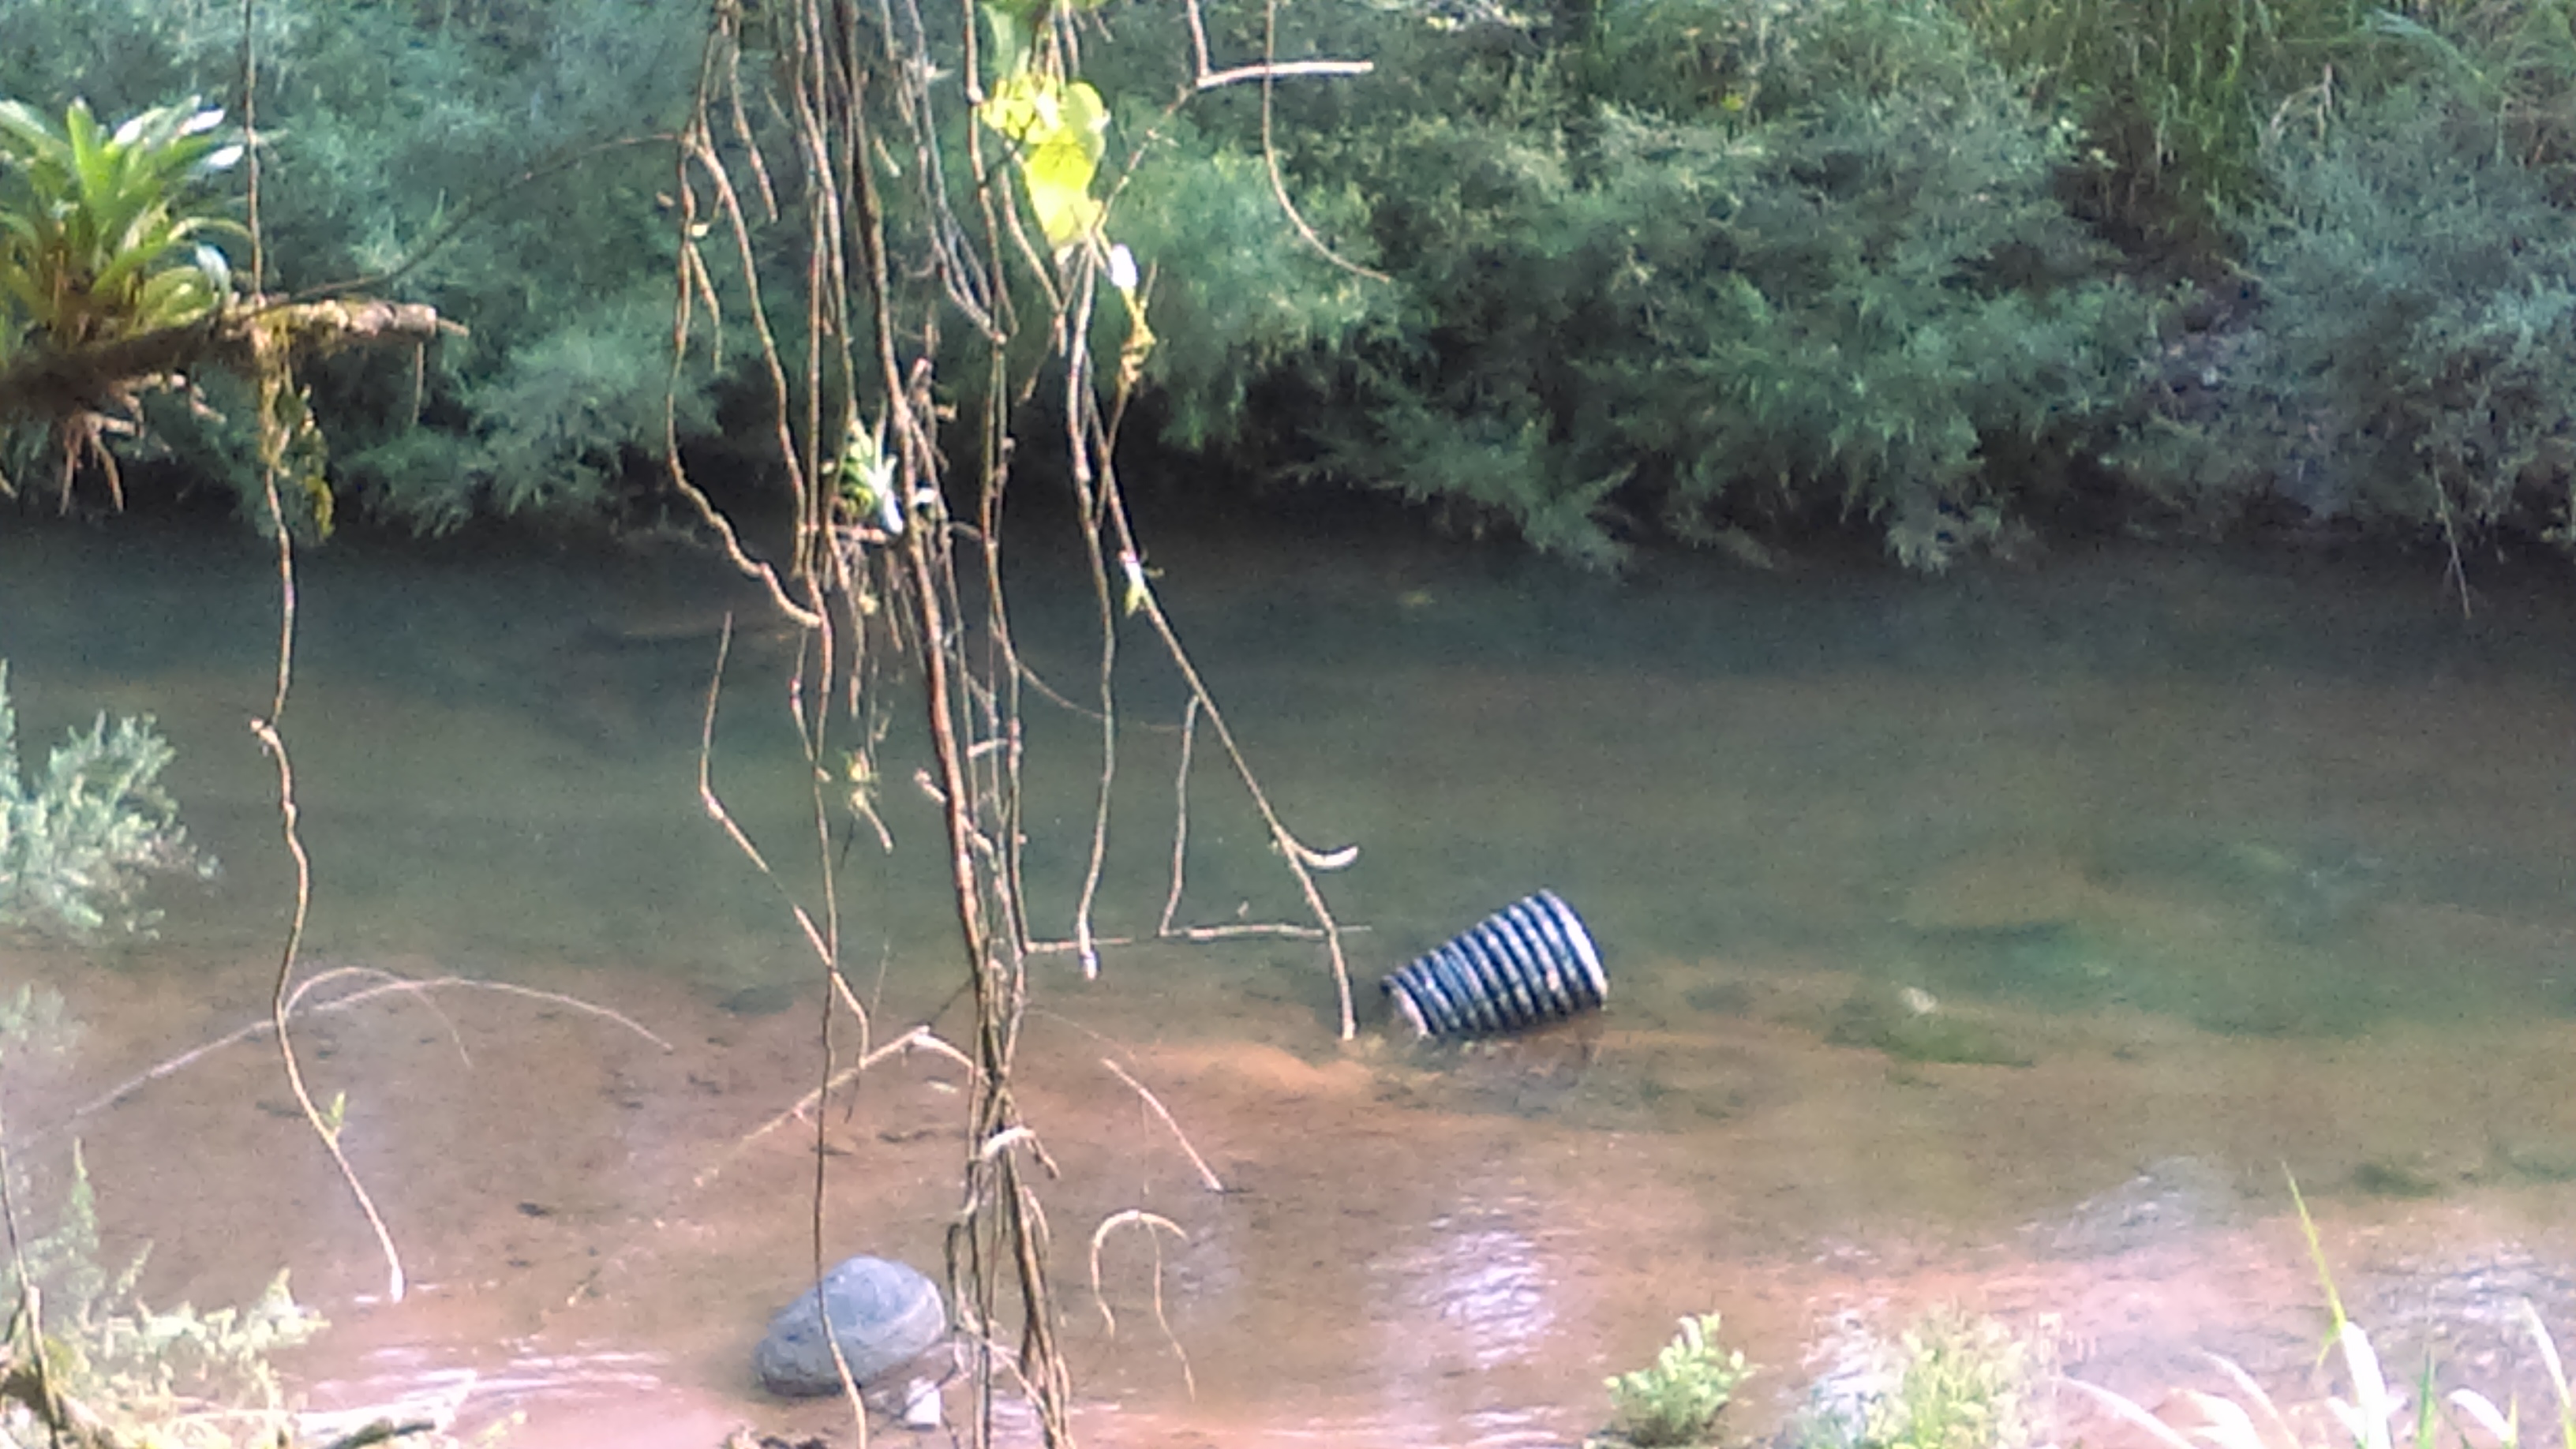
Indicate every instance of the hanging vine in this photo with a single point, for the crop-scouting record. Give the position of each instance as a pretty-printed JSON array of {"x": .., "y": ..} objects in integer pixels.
[{"x": 864, "y": 113}]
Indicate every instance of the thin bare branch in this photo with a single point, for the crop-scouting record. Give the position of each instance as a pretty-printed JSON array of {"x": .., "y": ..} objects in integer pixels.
[
  {"x": 1303, "y": 861},
  {"x": 1267, "y": 73},
  {"x": 713, "y": 804},
  {"x": 280, "y": 999},
  {"x": 1280, "y": 70},
  {"x": 1152, "y": 1223},
  {"x": 1180, "y": 814},
  {"x": 920, "y": 1038},
  {"x": 1207, "y": 1174}
]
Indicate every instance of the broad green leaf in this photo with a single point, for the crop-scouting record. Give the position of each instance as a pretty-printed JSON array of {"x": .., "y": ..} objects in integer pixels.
[{"x": 1061, "y": 129}]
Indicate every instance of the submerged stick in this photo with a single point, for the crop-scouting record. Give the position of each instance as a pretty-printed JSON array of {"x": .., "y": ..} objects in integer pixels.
[
  {"x": 920, "y": 1038},
  {"x": 1303, "y": 860},
  {"x": 1152, "y": 1223},
  {"x": 389, "y": 985},
  {"x": 1206, "y": 1174}
]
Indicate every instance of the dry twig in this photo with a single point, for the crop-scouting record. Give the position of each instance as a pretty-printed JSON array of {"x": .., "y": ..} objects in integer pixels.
[
  {"x": 1206, "y": 1174},
  {"x": 1152, "y": 1223}
]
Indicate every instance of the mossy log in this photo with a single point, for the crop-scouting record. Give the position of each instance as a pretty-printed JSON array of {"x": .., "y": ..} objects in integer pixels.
[{"x": 48, "y": 382}]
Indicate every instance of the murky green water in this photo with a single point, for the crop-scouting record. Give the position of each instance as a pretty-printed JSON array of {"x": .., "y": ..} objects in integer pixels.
[{"x": 1936, "y": 910}]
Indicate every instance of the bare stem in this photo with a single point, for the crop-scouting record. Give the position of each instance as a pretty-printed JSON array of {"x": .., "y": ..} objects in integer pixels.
[{"x": 1206, "y": 1174}]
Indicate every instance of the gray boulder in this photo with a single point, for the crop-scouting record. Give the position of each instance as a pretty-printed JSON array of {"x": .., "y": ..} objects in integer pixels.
[{"x": 884, "y": 1314}]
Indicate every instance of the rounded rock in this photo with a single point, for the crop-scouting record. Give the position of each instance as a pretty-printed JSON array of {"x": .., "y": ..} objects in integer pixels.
[{"x": 884, "y": 1314}]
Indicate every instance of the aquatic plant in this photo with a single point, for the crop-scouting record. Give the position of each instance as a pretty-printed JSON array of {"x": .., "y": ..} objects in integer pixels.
[
  {"x": 77, "y": 840},
  {"x": 88, "y": 1362},
  {"x": 1911, "y": 1025},
  {"x": 1952, "y": 1381},
  {"x": 1677, "y": 1399}
]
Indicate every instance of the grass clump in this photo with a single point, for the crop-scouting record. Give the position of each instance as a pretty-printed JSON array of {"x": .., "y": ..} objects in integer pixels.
[
  {"x": 2378, "y": 1415},
  {"x": 2176, "y": 94},
  {"x": 1677, "y": 1400}
]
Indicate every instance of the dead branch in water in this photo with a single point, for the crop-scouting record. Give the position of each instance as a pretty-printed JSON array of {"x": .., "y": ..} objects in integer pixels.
[
  {"x": 387, "y": 984},
  {"x": 920, "y": 1038},
  {"x": 1152, "y": 1223},
  {"x": 1206, "y": 1174}
]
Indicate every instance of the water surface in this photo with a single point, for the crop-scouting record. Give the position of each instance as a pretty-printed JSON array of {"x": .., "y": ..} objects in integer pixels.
[{"x": 1995, "y": 939}]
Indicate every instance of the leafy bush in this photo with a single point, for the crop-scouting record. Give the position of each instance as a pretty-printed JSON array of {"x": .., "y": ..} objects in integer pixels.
[
  {"x": 1950, "y": 1382},
  {"x": 1235, "y": 292},
  {"x": 77, "y": 841},
  {"x": 2416, "y": 358},
  {"x": 1724, "y": 261},
  {"x": 1677, "y": 1400},
  {"x": 177, "y": 1377}
]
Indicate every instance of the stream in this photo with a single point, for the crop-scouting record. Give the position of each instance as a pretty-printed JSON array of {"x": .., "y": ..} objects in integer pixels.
[{"x": 2006, "y": 940}]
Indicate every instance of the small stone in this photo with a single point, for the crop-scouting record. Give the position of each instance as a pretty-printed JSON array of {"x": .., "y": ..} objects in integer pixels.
[{"x": 884, "y": 1315}]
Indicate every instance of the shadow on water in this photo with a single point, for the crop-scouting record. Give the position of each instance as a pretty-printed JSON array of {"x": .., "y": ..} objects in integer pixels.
[{"x": 1996, "y": 938}]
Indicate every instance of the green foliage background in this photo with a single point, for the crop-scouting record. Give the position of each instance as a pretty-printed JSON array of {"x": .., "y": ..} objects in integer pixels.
[
  {"x": 2420, "y": 331},
  {"x": 1605, "y": 271},
  {"x": 1721, "y": 262},
  {"x": 385, "y": 122}
]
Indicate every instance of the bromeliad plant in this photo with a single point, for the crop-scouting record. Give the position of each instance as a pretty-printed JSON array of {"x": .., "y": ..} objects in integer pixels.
[
  {"x": 105, "y": 236},
  {"x": 100, "y": 236}
]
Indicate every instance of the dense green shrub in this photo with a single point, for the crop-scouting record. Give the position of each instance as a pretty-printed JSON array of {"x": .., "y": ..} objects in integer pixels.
[
  {"x": 1235, "y": 293},
  {"x": 510, "y": 163},
  {"x": 2416, "y": 357},
  {"x": 1723, "y": 261}
]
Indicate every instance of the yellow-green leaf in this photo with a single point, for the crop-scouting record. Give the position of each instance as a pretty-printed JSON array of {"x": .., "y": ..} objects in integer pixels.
[{"x": 1061, "y": 129}]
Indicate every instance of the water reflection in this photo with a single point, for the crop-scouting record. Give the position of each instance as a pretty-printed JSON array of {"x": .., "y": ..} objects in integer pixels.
[
  {"x": 414, "y": 1385},
  {"x": 1478, "y": 1276}
]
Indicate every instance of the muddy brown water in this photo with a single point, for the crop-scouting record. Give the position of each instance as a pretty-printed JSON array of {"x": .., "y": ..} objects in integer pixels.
[{"x": 2205, "y": 868}]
